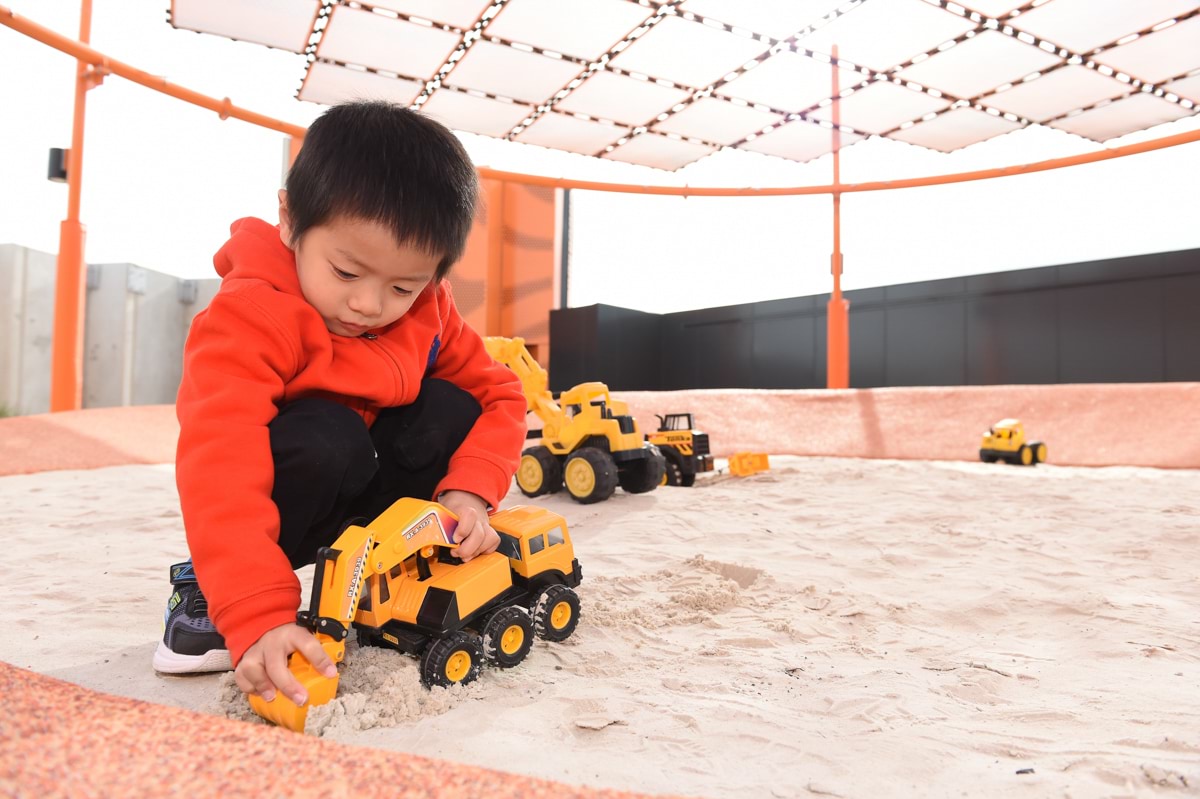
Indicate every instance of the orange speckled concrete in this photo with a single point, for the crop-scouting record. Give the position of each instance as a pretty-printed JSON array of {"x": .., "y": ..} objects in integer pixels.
[
  {"x": 1124, "y": 424},
  {"x": 88, "y": 439},
  {"x": 60, "y": 740},
  {"x": 1135, "y": 424}
]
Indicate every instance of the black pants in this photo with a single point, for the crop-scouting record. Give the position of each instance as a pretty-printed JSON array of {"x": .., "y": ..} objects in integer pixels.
[{"x": 329, "y": 467}]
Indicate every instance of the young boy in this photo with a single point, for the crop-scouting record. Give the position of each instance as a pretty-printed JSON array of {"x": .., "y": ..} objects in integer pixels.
[{"x": 330, "y": 376}]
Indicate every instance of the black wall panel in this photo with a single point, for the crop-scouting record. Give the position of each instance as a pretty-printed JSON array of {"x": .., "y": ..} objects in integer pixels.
[
  {"x": 573, "y": 350},
  {"x": 1181, "y": 326},
  {"x": 783, "y": 351},
  {"x": 868, "y": 347},
  {"x": 925, "y": 344},
  {"x": 1131, "y": 319},
  {"x": 1011, "y": 338},
  {"x": 1111, "y": 329},
  {"x": 633, "y": 355}
]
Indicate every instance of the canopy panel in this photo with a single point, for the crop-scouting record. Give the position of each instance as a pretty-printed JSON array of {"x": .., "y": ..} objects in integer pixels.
[{"x": 663, "y": 83}]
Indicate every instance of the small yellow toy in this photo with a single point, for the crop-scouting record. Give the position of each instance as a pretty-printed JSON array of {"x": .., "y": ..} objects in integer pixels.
[
  {"x": 1005, "y": 441},
  {"x": 744, "y": 464},
  {"x": 395, "y": 581}
]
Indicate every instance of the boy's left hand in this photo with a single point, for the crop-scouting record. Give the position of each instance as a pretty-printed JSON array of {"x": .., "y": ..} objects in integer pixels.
[{"x": 474, "y": 536}]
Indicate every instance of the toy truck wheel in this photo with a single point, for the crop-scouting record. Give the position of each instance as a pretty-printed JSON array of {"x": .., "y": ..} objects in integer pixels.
[
  {"x": 673, "y": 468},
  {"x": 1025, "y": 455},
  {"x": 986, "y": 456},
  {"x": 539, "y": 472},
  {"x": 556, "y": 613},
  {"x": 507, "y": 636},
  {"x": 452, "y": 660},
  {"x": 590, "y": 475},
  {"x": 1039, "y": 452},
  {"x": 640, "y": 476}
]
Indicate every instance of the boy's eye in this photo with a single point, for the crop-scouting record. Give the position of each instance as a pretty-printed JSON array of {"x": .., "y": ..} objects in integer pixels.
[
  {"x": 344, "y": 275},
  {"x": 403, "y": 292}
]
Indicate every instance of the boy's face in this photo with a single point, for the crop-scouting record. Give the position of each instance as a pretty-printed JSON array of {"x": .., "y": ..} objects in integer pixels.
[{"x": 355, "y": 274}]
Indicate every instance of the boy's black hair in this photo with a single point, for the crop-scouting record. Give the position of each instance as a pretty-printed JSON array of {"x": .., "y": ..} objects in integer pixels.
[{"x": 384, "y": 163}]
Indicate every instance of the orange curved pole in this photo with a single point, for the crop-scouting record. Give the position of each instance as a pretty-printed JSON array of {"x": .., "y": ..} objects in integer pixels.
[
  {"x": 83, "y": 52},
  {"x": 878, "y": 185},
  {"x": 226, "y": 108}
]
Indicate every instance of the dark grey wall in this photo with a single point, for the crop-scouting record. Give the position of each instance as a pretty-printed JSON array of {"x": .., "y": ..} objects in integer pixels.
[{"x": 1122, "y": 320}]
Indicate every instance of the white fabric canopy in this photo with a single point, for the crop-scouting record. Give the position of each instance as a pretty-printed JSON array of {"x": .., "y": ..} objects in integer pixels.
[{"x": 664, "y": 84}]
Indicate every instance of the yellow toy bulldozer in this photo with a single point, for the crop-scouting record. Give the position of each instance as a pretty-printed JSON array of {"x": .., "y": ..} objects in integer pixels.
[
  {"x": 1005, "y": 441},
  {"x": 685, "y": 448},
  {"x": 395, "y": 582},
  {"x": 590, "y": 443}
]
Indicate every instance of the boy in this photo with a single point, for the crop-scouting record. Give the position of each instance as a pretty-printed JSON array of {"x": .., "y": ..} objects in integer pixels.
[{"x": 329, "y": 376}]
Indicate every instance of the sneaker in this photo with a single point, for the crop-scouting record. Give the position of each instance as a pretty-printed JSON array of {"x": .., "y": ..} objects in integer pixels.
[{"x": 190, "y": 643}]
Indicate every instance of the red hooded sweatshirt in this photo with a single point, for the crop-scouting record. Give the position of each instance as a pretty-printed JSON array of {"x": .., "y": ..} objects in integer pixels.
[{"x": 260, "y": 345}]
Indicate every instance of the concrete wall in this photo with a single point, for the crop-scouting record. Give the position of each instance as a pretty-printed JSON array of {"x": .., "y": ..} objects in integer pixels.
[
  {"x": 26, "y": 322},
  {"x": 136, "y": 323}
]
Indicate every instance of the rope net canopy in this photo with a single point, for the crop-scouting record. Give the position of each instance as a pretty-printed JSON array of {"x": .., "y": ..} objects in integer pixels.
[{"x": 664, "y": 84}]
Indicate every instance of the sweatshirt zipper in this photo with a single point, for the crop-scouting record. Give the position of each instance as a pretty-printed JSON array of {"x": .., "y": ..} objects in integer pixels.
[{"x": 397, "y": 374}]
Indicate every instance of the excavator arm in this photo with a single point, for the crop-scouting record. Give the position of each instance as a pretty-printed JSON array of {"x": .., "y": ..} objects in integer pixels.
[
  {"x": 534, "y": 381},
  {"x": 409, "y": 527}
]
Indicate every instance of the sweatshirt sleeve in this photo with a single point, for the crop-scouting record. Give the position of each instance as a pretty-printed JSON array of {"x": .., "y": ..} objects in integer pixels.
[
  {"x": 224, "y": 470},
  {"x": 487, "y": 460}
]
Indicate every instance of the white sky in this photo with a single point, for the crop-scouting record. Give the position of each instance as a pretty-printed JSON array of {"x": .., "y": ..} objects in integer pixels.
[{"x": 163, "y": 180}]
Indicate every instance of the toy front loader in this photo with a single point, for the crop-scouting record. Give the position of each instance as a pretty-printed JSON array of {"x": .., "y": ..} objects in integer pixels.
[
  {"x": 590, "y": 443},
  {"x": 685, "y": 448},
  {"x": 341, "y": 571}
]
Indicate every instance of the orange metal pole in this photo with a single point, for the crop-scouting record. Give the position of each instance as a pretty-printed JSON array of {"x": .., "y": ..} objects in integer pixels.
[
  {"x": 66, "y": 359},
  {"x": 227, "y": 109},
  {"x": 837, "y": 313}
]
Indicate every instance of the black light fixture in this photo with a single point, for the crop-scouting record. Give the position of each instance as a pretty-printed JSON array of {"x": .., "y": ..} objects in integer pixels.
[{"x": 57, "y": 169}]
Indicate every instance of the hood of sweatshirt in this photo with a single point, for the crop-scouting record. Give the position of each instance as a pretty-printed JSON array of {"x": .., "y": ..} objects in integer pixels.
[{"x": 256, "y": 252}]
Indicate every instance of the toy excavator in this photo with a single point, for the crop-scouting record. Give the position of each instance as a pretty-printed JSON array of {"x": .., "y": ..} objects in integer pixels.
[
  {"x": 396, "y": 583},
  {"x": 589, "y": 440}
]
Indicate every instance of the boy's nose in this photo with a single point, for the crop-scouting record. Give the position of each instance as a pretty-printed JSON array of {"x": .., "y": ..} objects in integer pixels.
[{"x": 365, "y": 303}]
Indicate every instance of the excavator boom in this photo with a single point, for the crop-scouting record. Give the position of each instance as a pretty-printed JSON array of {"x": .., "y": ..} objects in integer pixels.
[{"x": 404, "y": 529}]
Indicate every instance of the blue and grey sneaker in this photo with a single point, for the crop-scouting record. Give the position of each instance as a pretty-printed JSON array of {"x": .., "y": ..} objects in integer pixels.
[{"x": 190, "y": 643}]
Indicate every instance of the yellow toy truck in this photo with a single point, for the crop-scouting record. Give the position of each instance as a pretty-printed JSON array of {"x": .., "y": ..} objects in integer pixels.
[
  {"x": 395, "y": 582},
  {"x": 1005, "y": 441},
  {"x": 590, "y": 443},
  {"x": 684, "y": 447}
]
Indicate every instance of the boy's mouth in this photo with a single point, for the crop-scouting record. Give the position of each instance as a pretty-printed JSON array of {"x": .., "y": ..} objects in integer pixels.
[{"x": 352, "y": 328}]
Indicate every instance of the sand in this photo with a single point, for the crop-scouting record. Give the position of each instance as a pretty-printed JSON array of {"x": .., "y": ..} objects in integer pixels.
[{"x": 834, "y": 626}]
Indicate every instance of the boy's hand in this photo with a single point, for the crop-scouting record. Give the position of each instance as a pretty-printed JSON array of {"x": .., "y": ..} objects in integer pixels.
[
  {"x": 263, "y": 670},
  {"x": 474, "y": 536}
]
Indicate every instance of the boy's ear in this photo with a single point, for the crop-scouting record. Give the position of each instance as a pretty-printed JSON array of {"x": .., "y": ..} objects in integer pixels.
[{"x": 285, "y": 220}]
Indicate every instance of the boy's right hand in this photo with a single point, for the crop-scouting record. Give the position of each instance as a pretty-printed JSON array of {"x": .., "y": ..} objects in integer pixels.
[{"x": 263, "y": 669}]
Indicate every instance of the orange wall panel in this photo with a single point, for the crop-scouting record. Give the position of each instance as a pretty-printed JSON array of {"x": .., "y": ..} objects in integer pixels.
[
  {"x": 504, "y": 284},
  {"x": 529, "y": 259}
]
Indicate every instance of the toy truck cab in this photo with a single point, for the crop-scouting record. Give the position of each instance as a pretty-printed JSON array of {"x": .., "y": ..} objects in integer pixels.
[
  {"x": 538, "y": 547},
  {"x": 1005, "y": 441}
]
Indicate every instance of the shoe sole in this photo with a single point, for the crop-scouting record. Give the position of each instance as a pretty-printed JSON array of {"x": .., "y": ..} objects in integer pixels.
[{"x": 168, "y": 662}]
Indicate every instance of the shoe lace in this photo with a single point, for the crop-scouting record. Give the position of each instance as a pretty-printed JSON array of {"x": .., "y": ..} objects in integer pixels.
[{"x": 198, "y": 604}]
